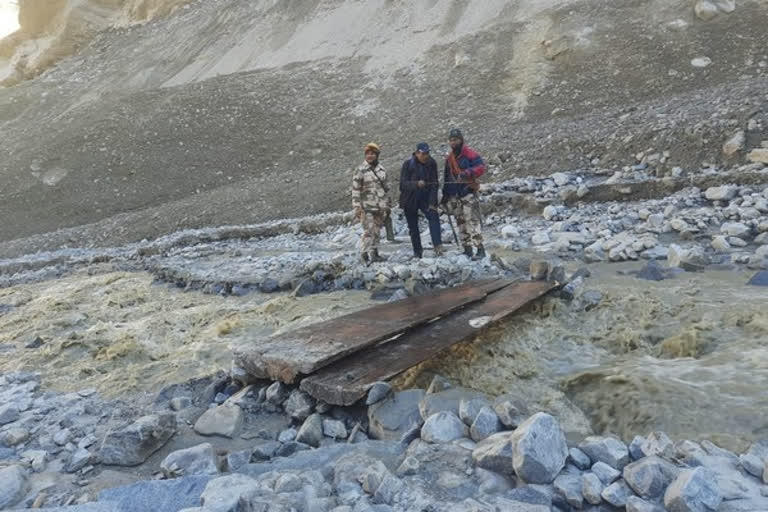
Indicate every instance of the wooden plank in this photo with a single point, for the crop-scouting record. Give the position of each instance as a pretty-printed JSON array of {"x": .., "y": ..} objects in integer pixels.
[
  {"x": 348, "y": 380},
  {"x": 303, "y": 351}
]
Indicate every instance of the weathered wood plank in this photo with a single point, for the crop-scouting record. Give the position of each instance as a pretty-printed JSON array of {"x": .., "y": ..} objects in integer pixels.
[
  {"x": 308, "y": 349},
  {"x": 348, "y": 380}
]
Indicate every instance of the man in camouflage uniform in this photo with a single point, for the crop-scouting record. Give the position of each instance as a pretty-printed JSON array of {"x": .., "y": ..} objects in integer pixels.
[
  {"x": 371, "y": 202},
  {"x": 463, "y": 166}
]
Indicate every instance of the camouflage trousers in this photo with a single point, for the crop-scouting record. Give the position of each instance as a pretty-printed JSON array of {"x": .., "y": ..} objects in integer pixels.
[
  {"x": 372, "y": 224},
  {"x": 467, "y": 214}
]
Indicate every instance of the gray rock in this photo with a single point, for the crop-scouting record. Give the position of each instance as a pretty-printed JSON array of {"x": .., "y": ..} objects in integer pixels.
[
  {"x": 486, "y": 423},
  {"x": 78, "y": 460},
  {"x": 695, "y": 490},
  {"x": 734, "y": 144},
  {"x": 605, "y": 473},
  {"x": 617, "y": 494},
  {"x": 754, "y": 460},
  {"x": 229, "y": 493},
  {"x": 649, "y": 477},
  {"x": 389, "y": 489},
  {"x": 512, "y": 411},
  {"x": 540, "y": 449},
  {"x": 606, "y": 449},
  {"x": 569, "y": 487},
  {"x": 180, "y": 403},
  {"x": 447, "y": 400},
  {"x": 156, "y": 495},
  {"x": 723, "y": 193},
  {"x": 334, "y": 429},
  {"x": 277, "y": 393},
  {"x": 469, "y": 408},
  {"x": 15, "y": 435},
  {"x": 759, "y": 279},
  {"x": 635, "y": 504},
  {"x": 62, "y": 437},
  {"x": 265, "y": 451},
  {"x": 36, "y": 459},
  {"x": 197, "y": 460},
  {"x": 132, "y": 445},
  {"x": 287, "y": 435},
  {"x": 496, "y": 453},
  {"x": 439, "y": 383},
  {"x": 9, "y": 413},
  {"x": 636, "y": 448},
  {"x": 13, "y": 486},
  {"x": 737, "y": 229},
  {"x": 225, "y": 420},
  {"x": 311, "y": 432},
  {"x": 491, "y": 482},
  {"x": 239, "y": 459},
  {"x": 409, "y": 466},
  {"x": 592, "y": 488},
  {"x": 579, "y": 459},
  {"x": 393, "y": 416},
  {"x": 378, "y": 392},
  {"x": 290, "y": 448},
  {"x": 539, "y": 270},
  {"x": 299, "y": 405},
  {"x": 443, "y": 427}
]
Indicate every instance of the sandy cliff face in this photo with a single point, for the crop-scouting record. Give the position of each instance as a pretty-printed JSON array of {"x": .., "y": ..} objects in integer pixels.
[
  {"x": 232, "y": 111},
  {"x": 50, "y": 30}
]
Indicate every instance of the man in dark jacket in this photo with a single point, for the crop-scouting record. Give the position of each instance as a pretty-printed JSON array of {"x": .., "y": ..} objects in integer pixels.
[
  {"x": 463, "y": 166},
  {"x": 418, "y": 191}
]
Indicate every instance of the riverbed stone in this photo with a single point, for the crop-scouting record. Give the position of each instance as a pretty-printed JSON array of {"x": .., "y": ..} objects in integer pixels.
[
  {"x": 569, "y": 487},
  {"x": 78, "y": 460},
  {"x": 443, "y": 427},
  {"x": 759, "y": 279},
  {"x": 227, "y": 493},
  {"x": 721, "y": 193},
  {"x": 736, "y": 229},
  {"x": 265, "y": 451},
  {"x": 311, "y": 431},
  {"x": 486, "y": 423},
  {"x": 438, "y": 383},
  {"x": 758, "y": 155},
  {"x": 15, "y": 436},
  {"x": 392, "y": 417},
  {"x": 592, "y": 488},
  {"x": 299, "y": 405},
  {"x": 496, "y": 453},
  {"x": 658, "y": 443},
  {"x": 470, "y": 407},
  {"x": 606, "y": 449},
  {"x": 695, "y": 490},
  {"x": 197, "y": 460},
  {"x": 8, "y": 414},
  {"x": 635, "y": 504},
  {"x": 512, "y": 412},
  {"x": 277, "y": 393},
  {"x": 447, "y": 400},
  {"x": 334, "y": 429},
  {"x": 605, "y": 473},
  {"x": 540, "y": 450},
  {"x": 378, "y": 392},
  {"x": 13, "y": 485},
  {"x": 649, "y": 477},
  {"x": 225, "y": 420},
  {"x": 754, "y": 460},
  {"x": 579, "y": 458},
  {"x": 617, "y": 494},
  {"x": 133, "y": 444}
]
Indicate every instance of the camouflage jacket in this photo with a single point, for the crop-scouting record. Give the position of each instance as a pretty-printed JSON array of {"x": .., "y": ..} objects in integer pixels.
[{"x": 368, "y": 192}]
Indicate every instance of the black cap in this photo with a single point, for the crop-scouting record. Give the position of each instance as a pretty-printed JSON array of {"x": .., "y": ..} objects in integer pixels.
[
  {"x": 455, "y": 132},
  {"x": 423, "y": 147}
]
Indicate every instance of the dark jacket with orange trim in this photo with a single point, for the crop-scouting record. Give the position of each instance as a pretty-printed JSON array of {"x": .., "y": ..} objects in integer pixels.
[
  {"x": 470, "y": 165},
  {"x": 411, "y": 196}
]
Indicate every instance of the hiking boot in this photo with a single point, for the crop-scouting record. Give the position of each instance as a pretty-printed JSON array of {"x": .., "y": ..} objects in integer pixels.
[
  {"x": 364, "y": 258},
  {"x": 376, "y": 257},
  {"x": 439, "y": 251},
  {"x": 480, "y": 254},
  {"x": 468, "y": 251}
]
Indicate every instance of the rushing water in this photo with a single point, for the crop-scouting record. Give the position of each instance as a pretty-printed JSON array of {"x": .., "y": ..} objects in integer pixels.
[{"x": 686, "y": 355}]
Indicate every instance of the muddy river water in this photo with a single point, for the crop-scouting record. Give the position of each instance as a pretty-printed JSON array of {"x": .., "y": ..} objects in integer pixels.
[{"x": 688, "y": 355}]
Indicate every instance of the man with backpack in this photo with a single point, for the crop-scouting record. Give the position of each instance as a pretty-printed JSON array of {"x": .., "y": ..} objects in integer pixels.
[
  {"x": 418, "y": 192},
  {"x": 463, "y": 166}
]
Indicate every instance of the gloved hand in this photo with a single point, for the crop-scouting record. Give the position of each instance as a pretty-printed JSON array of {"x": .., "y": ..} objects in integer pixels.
[{"x": 421, "y": 184}]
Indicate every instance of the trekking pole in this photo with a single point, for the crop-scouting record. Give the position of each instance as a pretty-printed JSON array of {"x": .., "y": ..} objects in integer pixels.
[{"x": 450, "y": 221}]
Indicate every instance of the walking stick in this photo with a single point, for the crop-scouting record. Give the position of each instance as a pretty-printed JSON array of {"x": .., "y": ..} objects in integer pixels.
[{"x": 450, "y": 221}]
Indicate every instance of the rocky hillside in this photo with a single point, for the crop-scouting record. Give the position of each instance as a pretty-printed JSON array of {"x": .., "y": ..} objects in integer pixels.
[{"x": 228, "y": 112}]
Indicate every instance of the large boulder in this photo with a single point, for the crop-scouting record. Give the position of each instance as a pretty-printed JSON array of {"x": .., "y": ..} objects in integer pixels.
[
  {"x": 540, "y": 449},
  {"x": 606, "y": 449},
  {"x": 753, "y": 461},
  {"x": 197, "y": 460},
  {"x": 649, "y": 477},
  {"x": 13, "y": 486},
  {"x": 392, "y": 417},
  {"x": 224, "y": 420},
  {"x": 443, "y": 427},
  {"x": 133, "y": 444},
  {"x": 695, "y": 490},
  {"x": 496, "y": 453}
]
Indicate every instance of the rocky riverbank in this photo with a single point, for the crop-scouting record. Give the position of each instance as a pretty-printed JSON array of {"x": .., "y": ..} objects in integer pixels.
[{"x": 217, "y": 445}]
